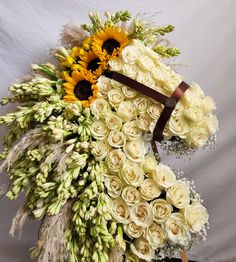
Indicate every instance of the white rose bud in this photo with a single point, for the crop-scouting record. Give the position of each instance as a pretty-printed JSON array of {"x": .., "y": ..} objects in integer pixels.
[
  {"x": 131, "y": 195},
  {"x": 164, "y": 176},
  {"x": 141, "y": 104},
  {"x": 131, "y": 130},
  {"x": 115, "y": 97},
  {"x": 149, "y": 164},
  {"x": 131, "y": 174},
  {"x": 177, "y": 232},
  {"x": 120, "y": 211},
  {"x": 146, "y": 79},
  {"x": 211, "y": 123},
  {"x": 128, "y": 92},
  {"x": 194, "y": 113},
  {"x": 103, "y": 84},
  {"x": 113, "y": 121},
  {"x": 130, "y": 70},
  {"x": 141, "y": 214},
  {"x": 154, "y": 111},
  {"x": 116, "y": 139},
  {"x": 100, "y": 149},
  {"x": 115, "y": 160},
  {"x": 161, "y": 210},
  {"x": 178, "y": 194},
  {"x": 114, "y": 186},
  {"x": 144, "y": 121},
  {"x": 145, "y": 62},
  {"x": 135, "y": 150},
  {"x": 155, "y": 236},
  {"x": 115, "y": 64},
  {"x": 196, "y": 217},
  {"x": 99, "y": 107},
  {"x": 149, "y": 190},
  {"x": 133, "y": 230},
  {"x": 130, "y": 54},
  {"x": 179, "y": 126},
  {"x": 99, "y": 130},
  {"x": 126, "y": 111},
  {"x": 141, "y": 248},
  {"x": 197, "y": 136},
  {"x": 208, "y": 104}
]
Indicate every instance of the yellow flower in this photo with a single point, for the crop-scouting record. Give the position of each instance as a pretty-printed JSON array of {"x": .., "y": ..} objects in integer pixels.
[
  {"x": 109, "y": 42},
  {"x": 80, "y": 86},
  {"x": 91, "y": 62}
]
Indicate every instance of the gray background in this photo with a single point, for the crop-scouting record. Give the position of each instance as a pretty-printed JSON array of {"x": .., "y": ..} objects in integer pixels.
[{"x": 205, "y": 32}]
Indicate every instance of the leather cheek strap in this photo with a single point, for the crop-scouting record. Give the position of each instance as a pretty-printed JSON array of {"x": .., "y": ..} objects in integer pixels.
[{"x": 168, "y": 102}]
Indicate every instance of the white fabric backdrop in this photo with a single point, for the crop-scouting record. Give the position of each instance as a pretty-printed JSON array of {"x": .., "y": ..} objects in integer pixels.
[{"x": 206, "y": 33}]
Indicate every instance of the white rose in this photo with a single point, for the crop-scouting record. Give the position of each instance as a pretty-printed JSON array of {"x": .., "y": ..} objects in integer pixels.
[
  {"x": 115, "y": 97},
  {"x": 126, "y": 111},
  {"x": 208, "y": 104},
  {"x": 99, "y": 130},
  {"x": 128, "y": 92},
  {"x": 141, "y": 104},
  {"x": 103, "y": 84},
  {"x": 131, "y": 174},
  {"x": 135, "y": 150},
  {"x": 113, "y": 121},
  {"x": 131, "y": 130},
  {"x": 178, "y": 195},
  {"x": 211, "y": 123},
  {"x": 133, "y": 230},
  {"x": 130, "y": 70},
  {"x": 131, "y": 195},
  {"x": 149, "y": 164},
  {"x": 115, "y": 160},
  {"x": 142, "y": 249},
  {"x": 179, "y": 126},
  {"x": 190, "y": 98},
  {"x": 172, "y": 81},
  {"x": 115, "y": 84},
  {"x": 154, "y": 111},
  {"x": 100, "y": 149},
  {"x": 164, "y": 176},
  {"x": 194, "y": 113},
  {"x": 155, "y": 236},
  {"x": 99, "y": 107},
  {"x": 144, "y": 121},
  {"x": 115, "y": 64},
  {"x": 149, "y": 189},
  {"x": 146, "y": 79},
  {"x": 141, "y": 214},
  {"x": 161, "y": 210},
  {"x": 196, "y": 89},
  {"x": 130, "y": 54},
  {"x": 196, "y": 216},
  {"x": 159, "y": 74},
  {"x": 197, "y": 136},
  {"x": 177, "y": 232},
  {"x": 145, "y": 62},
  {"x": 120, "y": 211},
  {"x": 116, "y": 139},
  {"x": 113, "y": 185}
]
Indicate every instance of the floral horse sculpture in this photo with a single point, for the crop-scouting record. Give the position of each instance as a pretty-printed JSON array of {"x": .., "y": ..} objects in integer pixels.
[{"x": 78, "y": 145}]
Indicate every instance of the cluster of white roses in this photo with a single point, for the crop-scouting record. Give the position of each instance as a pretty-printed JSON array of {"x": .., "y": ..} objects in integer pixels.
[
  {"x": 155, "y": 209},
  {"x": 192, "y": 119}
]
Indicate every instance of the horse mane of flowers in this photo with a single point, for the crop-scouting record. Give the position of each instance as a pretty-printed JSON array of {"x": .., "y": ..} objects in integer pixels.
[{"x": 78, "y": 146}]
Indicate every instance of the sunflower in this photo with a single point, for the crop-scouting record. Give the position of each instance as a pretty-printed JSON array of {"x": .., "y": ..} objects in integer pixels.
[
  {"x": 91, "y": 62},
  {"x": 109, "y": 42},
  {"x": 80, "y": 86}
]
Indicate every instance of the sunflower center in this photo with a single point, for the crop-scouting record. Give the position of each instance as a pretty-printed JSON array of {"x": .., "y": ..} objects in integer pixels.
[
  {"x": 94, "y": 64},
  {"x": 110, "y": 44},
  {"x": 83, "y": 90}
]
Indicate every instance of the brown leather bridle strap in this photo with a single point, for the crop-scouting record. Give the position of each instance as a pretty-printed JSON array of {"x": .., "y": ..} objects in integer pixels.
[{"x": 169, "y": 102}]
